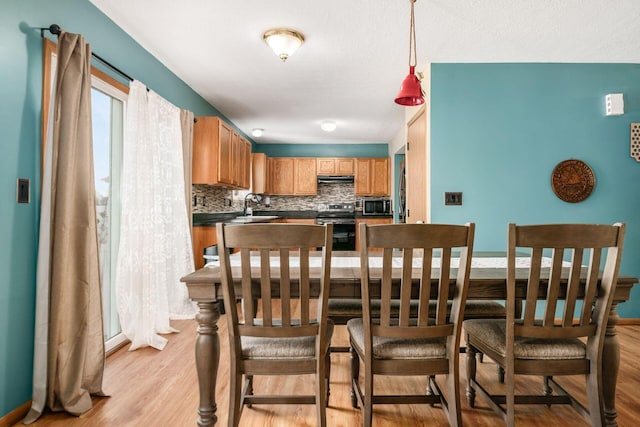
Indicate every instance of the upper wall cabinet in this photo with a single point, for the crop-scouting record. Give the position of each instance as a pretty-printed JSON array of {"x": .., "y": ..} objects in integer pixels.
[
  {"x": 372, "y": 177},
  {"x": 305, "y": 177},
  {"x": 281, "y": 175},
  {"x": 259, "y": 173},
  {"x": 220, "y": 156},
  {"x": 292, "y": 176},
  {"x": 335, "y": 166}
]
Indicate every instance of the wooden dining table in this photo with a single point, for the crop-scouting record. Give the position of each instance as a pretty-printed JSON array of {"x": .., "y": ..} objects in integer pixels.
[{"x": 487, "y": 282}]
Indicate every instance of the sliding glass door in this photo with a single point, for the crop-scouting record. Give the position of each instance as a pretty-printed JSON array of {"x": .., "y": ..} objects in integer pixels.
[{"x": 108, "y": 104}]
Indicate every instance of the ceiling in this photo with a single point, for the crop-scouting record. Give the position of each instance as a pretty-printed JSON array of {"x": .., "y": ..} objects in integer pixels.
[{"x": 356, "y": 52}]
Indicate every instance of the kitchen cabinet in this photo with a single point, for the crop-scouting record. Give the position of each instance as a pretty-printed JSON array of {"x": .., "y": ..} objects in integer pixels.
[
  {"x": 242, "y": 162},
  {"x": 369, "y": 221},
  {"x": 372, "y": 177},
  {"x": 292, "y": 176},
  {"x": 281, "y": 175},
  {"x": 335, "y": 166},
  {"x": 258, "y": 173},
  {"x": 203, "y": 236},
  {"x": 305, "y": 176},
  {"x": 220, "y": 156}
]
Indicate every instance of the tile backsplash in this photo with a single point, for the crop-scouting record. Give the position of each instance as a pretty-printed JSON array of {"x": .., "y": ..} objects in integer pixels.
[{"x": 211, "y": 199}]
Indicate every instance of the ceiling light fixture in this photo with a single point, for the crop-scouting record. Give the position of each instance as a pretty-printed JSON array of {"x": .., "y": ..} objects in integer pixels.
[
  {"x": 283, "y": 41},
  {"x": 257, "y": 132},
  {"x": 328, "y": 126},
  {"x": 410, "y": 91}
]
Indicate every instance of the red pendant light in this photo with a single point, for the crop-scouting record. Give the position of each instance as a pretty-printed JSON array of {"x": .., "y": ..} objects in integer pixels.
[{"x": 410, "y": 91}]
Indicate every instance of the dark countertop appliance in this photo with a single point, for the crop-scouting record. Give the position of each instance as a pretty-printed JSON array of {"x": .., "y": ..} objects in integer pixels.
[{"x": 379, "y": 207}]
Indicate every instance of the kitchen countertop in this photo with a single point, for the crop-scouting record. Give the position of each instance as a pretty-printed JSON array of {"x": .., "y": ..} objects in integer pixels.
[{"x": 211, "y": 219}]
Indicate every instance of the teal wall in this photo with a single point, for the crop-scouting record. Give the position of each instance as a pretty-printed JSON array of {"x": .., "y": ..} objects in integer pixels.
[
  {"x": 20, "y": 92},
  {"x": 498, "y": 130},
  {"x": 323, "y": 150}
]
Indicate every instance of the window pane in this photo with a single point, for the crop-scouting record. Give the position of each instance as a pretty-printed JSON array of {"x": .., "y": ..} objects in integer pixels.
[{"x": 107, "y": 135}]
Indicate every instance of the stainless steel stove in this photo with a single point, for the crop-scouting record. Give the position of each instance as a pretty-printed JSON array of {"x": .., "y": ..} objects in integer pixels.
[{"x": 343, "y": 218}]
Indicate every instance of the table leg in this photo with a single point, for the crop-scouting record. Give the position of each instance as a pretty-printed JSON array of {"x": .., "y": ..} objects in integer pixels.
[
  {"x": 207, "y": 359},
  {"x": 610, "y": 365}
]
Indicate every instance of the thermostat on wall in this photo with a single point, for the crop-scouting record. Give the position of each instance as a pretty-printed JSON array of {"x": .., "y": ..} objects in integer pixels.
[{"x": 614, "y": 103}]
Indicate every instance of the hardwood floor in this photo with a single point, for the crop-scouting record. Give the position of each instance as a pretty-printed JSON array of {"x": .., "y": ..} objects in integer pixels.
[{"x": 159, "y": 388}]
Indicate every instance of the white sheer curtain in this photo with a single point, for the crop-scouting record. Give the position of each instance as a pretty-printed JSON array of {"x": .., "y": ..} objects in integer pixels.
[{"x": 155, "y": 241}]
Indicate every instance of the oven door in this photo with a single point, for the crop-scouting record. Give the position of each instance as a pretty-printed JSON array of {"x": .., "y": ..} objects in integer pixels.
[{"x": 344, "y": 234}]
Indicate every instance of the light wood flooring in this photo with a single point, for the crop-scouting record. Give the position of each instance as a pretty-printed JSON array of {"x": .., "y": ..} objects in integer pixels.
[{"x": 159, "y": 388}]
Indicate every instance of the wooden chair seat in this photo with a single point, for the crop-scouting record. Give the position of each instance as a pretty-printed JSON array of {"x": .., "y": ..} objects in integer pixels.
[
  {"x": 282, "y": 348},
  {"x": 492, "y": 333},
  {"x": 397, "y": 348}
]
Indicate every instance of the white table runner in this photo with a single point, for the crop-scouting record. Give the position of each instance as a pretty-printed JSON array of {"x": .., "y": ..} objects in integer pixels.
[{"x": 350, "y": 262}]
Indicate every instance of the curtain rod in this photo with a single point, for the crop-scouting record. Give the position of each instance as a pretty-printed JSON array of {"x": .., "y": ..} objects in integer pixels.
[{"x": 56, "y": 30}]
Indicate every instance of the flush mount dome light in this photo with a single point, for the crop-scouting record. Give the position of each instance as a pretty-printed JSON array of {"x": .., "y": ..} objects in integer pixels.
[
  {"x": 328, "y": 126},
  {"x": 257, "y": 132},
  {"x": 283, "y": 41}
]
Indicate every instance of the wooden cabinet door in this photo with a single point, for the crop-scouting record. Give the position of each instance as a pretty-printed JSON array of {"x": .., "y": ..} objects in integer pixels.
[
  {"x": 236, "y": 154},
  {"x": 370, "y": 221},
  {"x": 380, "y": 177},
  {"x": 372, "y": 177},
  {"x": 335, "y": 166},
  {"x": 244, "y": 163},
  {"x": 326, "y": 166},
  {"x": 363, "y": 177},
  {"x": 305, "y": 176},
  {"x": 203, "y": 236},
  {"x": 269, "y": 176},
  {"x": 282, "y": 175},
  {"x": 344, "y": 166},
  {"x": 225, "y": 150},
  {"x": 416, "y": 168},
  {"x": 258, "y": 173},
  {"x": 205, "y": 151}
]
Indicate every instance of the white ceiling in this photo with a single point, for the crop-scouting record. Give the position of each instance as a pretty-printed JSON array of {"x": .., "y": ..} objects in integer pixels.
[{"x": 356, "y": 52}]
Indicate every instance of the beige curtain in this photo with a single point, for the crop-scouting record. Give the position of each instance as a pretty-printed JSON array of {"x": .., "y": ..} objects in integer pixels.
[
  {"x": 74, "y": 335},
  {"x": 186, "y": 121}
]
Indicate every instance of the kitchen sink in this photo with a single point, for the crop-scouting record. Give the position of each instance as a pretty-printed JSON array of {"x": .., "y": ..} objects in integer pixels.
[{"x": 248, "y": 219}]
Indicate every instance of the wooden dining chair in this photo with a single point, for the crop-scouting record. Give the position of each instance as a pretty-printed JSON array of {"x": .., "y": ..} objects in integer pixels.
[
  {"x": 277, "y": 328},
  {"x": 397, "y": 343},
  {"x": 562, "y": 324}
]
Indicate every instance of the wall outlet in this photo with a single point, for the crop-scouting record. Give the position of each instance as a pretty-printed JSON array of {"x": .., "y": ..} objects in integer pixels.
[
  {"x": 453, "y": 198},
  {"x": 22, "y": 191}
]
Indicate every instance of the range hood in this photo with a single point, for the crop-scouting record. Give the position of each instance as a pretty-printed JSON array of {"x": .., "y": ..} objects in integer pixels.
[{"x": 330, "y": 179}]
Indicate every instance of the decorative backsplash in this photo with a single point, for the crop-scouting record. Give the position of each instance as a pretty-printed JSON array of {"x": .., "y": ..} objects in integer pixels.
[{"x": 211, "y": 199}]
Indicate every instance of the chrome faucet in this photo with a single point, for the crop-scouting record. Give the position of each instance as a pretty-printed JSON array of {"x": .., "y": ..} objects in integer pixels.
[{"x": 256, "y": 198}]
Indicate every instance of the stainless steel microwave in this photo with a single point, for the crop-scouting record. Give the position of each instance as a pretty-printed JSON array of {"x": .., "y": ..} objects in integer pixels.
[{"x": 374, "y": 207}]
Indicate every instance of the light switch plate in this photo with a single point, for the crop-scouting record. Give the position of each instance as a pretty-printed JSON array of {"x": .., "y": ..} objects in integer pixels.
[{"x": 452, "y": 198}]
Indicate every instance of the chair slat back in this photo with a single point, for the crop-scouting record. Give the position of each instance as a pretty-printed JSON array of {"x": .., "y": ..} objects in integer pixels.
[
  {"x": 409, "y": 252},
  {"x": 274, "y": 267},
  {"x": 563, "y": 272}
]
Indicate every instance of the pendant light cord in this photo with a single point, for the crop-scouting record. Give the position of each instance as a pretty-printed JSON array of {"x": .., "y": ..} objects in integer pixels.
[{"x": 412, "y": 39}]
